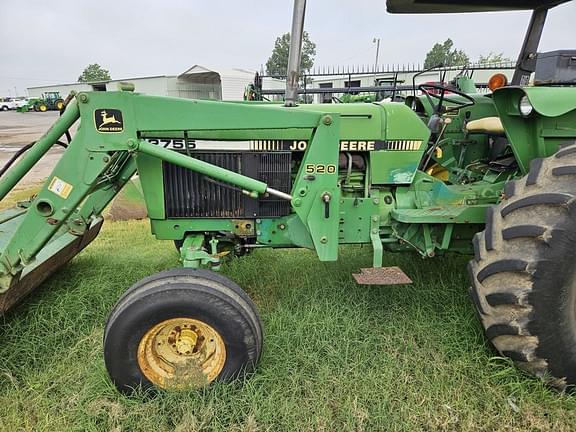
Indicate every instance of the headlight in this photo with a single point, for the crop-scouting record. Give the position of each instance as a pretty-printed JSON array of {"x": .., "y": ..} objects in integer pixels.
[{"x": 525, "y": 106}]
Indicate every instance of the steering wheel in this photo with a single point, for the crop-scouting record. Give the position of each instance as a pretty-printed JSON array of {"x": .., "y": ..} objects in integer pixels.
[{"x": 438, "y": 92}]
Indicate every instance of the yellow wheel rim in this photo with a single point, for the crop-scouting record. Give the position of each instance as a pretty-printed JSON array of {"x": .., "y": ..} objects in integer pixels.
[
  {"x": 59, "y": 105},
  {"x": 43, "y": 108},
  {"x": 181, "y": 353}
]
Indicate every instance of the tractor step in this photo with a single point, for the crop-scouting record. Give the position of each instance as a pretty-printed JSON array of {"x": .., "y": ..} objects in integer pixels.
[{"x": 382, "y": 276}]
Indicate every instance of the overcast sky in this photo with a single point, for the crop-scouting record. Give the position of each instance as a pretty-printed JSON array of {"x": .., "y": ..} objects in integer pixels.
[{"x": 50, "y": 42}]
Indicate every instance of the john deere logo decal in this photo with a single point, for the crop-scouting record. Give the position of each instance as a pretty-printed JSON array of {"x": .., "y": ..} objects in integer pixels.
[{"x": 108, "y": 120}]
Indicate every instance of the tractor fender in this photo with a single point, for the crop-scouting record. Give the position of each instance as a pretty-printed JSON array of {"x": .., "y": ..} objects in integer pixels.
[
  {"x": 547, "y": 101},
  {"x": 548, "y": 127}
]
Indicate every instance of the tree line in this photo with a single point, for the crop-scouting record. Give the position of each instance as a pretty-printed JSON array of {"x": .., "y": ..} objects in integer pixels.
[{"x": 441, "y": 53}]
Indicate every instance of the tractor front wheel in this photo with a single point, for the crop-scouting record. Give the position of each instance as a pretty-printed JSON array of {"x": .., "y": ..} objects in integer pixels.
[
  {"x": 42, "y": 107},
  {"x": 524, "y": 273},
  {"x": 182, "y": 328}
]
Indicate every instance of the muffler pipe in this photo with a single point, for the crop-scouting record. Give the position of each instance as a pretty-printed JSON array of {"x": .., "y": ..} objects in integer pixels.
[{"x": 295, "y": 53}]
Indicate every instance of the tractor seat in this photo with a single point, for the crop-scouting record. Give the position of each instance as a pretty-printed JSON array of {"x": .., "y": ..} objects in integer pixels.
[{"x": 487, "y": 125}]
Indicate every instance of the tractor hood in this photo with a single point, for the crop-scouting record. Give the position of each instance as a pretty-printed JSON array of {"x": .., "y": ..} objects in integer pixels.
[{"x": 458, "y": 6}]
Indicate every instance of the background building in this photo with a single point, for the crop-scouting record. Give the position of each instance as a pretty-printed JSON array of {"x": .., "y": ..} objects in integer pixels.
[
  {"x": 197, "y": 82},
  {"x": 201, "y": 82}
]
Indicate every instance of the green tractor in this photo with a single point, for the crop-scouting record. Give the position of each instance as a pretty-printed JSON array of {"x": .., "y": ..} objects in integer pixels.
[
  {"x": 449, "y": 171},
  {"x": 49, "y": 101},
  {"x": 29, "y": 105}
]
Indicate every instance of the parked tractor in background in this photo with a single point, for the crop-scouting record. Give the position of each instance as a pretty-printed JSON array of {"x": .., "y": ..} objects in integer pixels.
[
  {"x": 49, "y": 101},
  {"x": 220, "y": 179},
  {"x": 27, "y": 104}
]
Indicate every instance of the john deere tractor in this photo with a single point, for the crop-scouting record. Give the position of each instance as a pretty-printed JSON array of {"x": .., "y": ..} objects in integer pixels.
[
  {"x": 451, "y": 170},
  {"x": 49, "y": 101}
]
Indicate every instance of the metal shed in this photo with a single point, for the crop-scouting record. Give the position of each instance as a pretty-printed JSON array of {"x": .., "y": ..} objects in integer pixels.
[
  {"x": 197, "y": 82},
  {"x": 228, "y": 84}
]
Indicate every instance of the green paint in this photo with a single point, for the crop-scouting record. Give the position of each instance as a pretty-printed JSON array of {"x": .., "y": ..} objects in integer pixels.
[
  {"x": 32, "y": 156},
  {"x": 338, "y": 197},
  {"x": 247, "y": 183},
  {"x": 195, "y": 253},
  {"x": 552, "y": 124},
  {"x": 394, "y": 167}
]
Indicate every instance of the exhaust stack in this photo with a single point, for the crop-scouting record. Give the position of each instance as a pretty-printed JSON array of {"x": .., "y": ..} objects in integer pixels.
[{"x": 296, "y": 35}]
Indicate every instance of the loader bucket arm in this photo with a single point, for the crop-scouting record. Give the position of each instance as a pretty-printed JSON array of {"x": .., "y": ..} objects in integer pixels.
[{"x": 109, "y": 147}]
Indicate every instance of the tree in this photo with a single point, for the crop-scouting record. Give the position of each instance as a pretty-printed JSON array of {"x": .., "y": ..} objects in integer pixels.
[
  {"x": 94, "y": 72},
  {"x": 446, "y": 55},
  {"x": 493, "y": 58},
  {"x": 277, "y": 64}
]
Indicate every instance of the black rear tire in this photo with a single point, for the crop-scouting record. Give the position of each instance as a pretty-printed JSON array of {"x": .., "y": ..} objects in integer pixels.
[
  {"x": 201, "y": 296},
  {"x": 524, "y": 273}
]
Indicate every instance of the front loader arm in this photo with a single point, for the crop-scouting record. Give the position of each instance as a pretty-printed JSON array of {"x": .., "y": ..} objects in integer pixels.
[
  {"x": 103, "y": 156},
  {"x": 72, "y": 199}
]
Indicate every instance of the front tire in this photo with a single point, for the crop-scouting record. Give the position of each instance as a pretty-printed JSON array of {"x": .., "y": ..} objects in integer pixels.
[
  {"x": 524, "y": 273},
  {"x": 181, "y": 328}
]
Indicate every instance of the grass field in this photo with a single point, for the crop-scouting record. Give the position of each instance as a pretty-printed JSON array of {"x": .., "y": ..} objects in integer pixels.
[{"x": 337, "y": 357}]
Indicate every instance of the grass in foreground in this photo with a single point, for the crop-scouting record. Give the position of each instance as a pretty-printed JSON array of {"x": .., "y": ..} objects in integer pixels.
[
  {"x": 21, "y": 194},
  {"x": 337, "y": 356}
]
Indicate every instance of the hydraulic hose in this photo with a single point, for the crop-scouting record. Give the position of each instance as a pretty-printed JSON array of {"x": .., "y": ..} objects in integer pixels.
[
  {"x": 20, "y": 152},
  {"x": 35, "y": 152}
]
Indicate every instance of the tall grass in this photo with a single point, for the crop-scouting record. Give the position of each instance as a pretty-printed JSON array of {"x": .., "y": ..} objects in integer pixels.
[{"x": 337, "y": 357}]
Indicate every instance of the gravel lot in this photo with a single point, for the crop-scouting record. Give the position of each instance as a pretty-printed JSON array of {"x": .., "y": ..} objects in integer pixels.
[{"x": 18, "y": 129}]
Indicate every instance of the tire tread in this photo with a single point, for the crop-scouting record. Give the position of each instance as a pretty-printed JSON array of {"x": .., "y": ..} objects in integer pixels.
[{"x": 510, "y": 312}]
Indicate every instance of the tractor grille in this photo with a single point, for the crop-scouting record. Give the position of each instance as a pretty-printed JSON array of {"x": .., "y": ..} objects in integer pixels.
[{"x": 188, "y": 194}]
